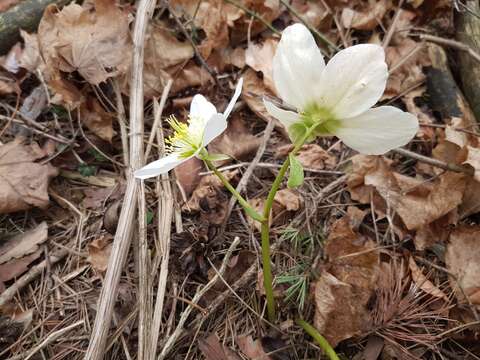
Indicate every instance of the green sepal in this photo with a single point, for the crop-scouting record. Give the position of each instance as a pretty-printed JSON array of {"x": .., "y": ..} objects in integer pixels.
[{"x": 295, "y": 176}]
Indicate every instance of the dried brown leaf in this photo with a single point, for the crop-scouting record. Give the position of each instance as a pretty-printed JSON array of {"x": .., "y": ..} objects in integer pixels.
[
  {"x": 237, "y": 141},
  {"x": 417, "y": 202},
  {"x": 23, "y": 183},
  {"x": 346, "y": 284},
  {"x": 24, "y": 244},
  {"x": 96, "y": 119},
  {"x": 462, "y": 258},
  {"x": 367, "y": 18},
  {"x": 422, "y": 281},
  {"x": 96, "y": 43},
  {"x": 99, "y": 251},
  {"x": 252, "y": 348},
  {"x": 212, "y": 349},
  {"x": 209, "y": 199},
  {"x": 311, "y": 156},
  {"x": 289, "y": 199},
  {"x": 406, "y": 59},
  {"x": 16, "y": 267},
  {"x": 260, "y": 58},
  {"x": 211, "y": 17}
]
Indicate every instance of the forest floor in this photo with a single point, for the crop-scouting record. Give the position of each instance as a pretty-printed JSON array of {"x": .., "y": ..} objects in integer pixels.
[{"x": 380, "y": 253}]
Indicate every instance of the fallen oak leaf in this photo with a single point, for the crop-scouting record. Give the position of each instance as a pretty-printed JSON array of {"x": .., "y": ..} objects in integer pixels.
[
  {"x": 23, "y": 183},
  {"x": 96, "y": 43}
]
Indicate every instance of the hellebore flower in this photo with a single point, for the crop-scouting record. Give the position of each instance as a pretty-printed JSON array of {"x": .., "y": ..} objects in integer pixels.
[
  {"x": 336, "y": 98},
  {"x": 188, "y": 140}
]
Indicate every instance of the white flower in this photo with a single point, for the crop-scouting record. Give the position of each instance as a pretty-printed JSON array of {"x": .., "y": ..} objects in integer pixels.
[
  {"x": 337, "y": 97},
  {"x": 188, "y": 140}
]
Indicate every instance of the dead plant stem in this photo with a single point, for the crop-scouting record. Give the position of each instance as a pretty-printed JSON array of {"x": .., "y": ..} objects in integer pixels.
[{"x": 124, "y": 232}]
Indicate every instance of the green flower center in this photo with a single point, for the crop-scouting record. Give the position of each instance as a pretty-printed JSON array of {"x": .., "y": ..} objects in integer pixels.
[{"x": 320, "y": 120}]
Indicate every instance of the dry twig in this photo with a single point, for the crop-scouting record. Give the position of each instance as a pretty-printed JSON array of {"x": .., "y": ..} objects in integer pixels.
[{"x": 124, "y": 231}]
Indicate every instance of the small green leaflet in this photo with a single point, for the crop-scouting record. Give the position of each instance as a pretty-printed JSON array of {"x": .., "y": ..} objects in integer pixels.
[
  {"x": 149, "y": 217},
  {"x": 295, "y": 176}
]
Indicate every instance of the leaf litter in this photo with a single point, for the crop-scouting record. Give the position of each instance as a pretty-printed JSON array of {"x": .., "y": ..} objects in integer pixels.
[{"x": 386, "y": 252}]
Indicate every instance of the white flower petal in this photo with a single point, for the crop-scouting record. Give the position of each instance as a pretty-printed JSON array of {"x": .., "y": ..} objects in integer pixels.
[
  {"x": 201, "y": 107},
  {"x": 353, "y": 80},
  {"x": 287, "y": 118},
  {"x": 297, "y": 66},
  {"x": 214, "y": 127},
  {"x": 236, "y": 94},
  {"x": 159, "y": 167},
  {"x": 378, "y": 130}
]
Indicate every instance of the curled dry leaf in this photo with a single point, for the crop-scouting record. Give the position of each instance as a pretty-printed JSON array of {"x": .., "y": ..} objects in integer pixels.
[
  {"x": 243, "y": 24},
  {"x": 311, "y": 156},
  {"x": 96, "y": 119},
  {"x": 422, "y": 281},
  {"x": 96, "y": 43},
  {"x": 209, "y": 199},
  {"x": 405, "y": 59},
  {"x": 210, "y": 16},
  {"x": 367, "y": 18},
  {"x": 463, "y": 261},
  {"x": 346, "y": 283},
  {"x": 24, "y": 244},
  {"x": 161, "y": 65},
  {"x": 417, "y": 202},
  {"x": 23, "y": 183},
  {"x": 314, "y": 13},
  {"x": 99, "y": 251},
  {"x": 286, "y": 201},
  {"x": 260, "y": 58}
]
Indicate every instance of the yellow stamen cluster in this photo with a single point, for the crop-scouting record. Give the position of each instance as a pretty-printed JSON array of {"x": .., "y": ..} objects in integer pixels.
[{"x": 186, "y": 138}]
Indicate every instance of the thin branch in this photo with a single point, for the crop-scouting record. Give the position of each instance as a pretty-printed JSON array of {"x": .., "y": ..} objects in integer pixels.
[
  {"x": 434, "y": 162},
  {"x": 451, "y": 43}
]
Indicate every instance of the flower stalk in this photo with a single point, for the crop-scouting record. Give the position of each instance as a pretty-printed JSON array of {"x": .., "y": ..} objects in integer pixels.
[
  {"x": 241, "y": 200},
  {"x": 319, "y": 339},
  {"x": 265, "y": 226}
]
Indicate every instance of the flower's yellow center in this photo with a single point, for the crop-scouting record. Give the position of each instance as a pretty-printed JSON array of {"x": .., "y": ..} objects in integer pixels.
[
  {"x": 318, "y": 119},
  {"x": 187, "y": 138}
]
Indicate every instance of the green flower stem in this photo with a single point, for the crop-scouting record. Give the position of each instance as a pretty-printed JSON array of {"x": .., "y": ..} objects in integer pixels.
[
  {"x": 265, "y": 228},
  {"x": 248, "y": 209},
  {"x": 319, "y": 339}
]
